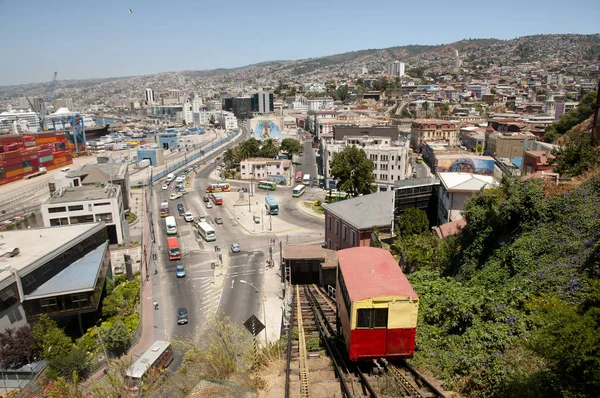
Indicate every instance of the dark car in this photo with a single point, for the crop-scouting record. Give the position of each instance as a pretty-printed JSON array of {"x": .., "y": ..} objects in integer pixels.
[
  {"x": 205, "y": 198},
  {"x": 182, "y": 316},
  {"x": 181, "y": 209}
]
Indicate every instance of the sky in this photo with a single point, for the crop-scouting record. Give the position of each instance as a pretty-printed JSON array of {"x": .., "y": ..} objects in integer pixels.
[{"x": 99, "y": 38}]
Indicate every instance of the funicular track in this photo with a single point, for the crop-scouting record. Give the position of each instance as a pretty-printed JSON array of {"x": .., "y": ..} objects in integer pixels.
[{"x": 325, "y": 373}]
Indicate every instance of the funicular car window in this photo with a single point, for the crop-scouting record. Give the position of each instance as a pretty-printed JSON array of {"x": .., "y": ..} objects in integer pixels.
[
  {"x": 363, "y": 318},
  {"x": 380, "y": 317}
]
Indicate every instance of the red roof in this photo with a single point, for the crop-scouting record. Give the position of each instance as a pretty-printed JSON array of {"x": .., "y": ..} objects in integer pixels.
[{"x": 371, "y": 272}]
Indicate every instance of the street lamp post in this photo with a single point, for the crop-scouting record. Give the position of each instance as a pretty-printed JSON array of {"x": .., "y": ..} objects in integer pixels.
[{"x": 263, "y": 300}]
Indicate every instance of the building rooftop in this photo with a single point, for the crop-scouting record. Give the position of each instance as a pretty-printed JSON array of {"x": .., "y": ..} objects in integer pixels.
[
  {"x": 298, "y": 252},
  {"x": 370, "y": 272},
  {"x": 42, "y": 244},
  {"x": 365, "y": 211},
  {"x": 78, "y": 277},
  {"x": 68, "y": 195},
  {"x": 467, "y": 182},
  {"x": 115, "y": 169}
]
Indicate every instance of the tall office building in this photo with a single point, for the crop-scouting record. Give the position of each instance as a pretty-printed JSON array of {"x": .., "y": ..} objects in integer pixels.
[
  {"x": 149, "y": 96},
  {"x": 175, "y": 95},
  {"x": 396, "y": 69},
  {"x": 63, "y": 103},
  {"x": 262, "y": 102}
]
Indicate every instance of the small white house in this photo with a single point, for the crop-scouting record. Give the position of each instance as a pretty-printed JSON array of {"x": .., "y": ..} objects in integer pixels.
[{"x": 262, "y": 168}]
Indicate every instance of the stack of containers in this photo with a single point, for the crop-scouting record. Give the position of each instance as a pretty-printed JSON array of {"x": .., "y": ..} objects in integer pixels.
[
  {"x": 11, "y": 166},
  {"x": 60, "y": 159},
  {"x": 29, "y": 141},
  {"x": 46, "y": 158},
  {"x": 30, "y": 160}
]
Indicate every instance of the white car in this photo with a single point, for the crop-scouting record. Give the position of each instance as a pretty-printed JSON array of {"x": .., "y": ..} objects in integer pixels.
[
  {"x": 188, "y": 217},
  {"x": 212, "y": 161},
  {"x": 202, "y": 219},
  {"x": 208, "y": 205},
  {"x": 175, "y": 196},
  {"x": 165, "y": 186}
]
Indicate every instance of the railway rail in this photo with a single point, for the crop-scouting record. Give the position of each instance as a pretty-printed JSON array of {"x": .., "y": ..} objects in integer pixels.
[{"x": 314, "y": 316}]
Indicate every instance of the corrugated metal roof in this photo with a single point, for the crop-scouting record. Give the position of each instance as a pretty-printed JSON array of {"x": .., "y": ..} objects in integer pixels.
[
  {"x": 365, "y": 211},
  {"x": 79, "y": 276},
  {"x": 372, "y": 272}
]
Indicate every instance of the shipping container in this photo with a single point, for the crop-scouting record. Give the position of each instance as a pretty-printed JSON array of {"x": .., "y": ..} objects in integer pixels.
[
  {"x": 44, "y": 159},
  {"x": 50, "y": 167},
  {"x": 29, "y": 138},
  {"x": 12, "y": 167},
  {"x": 8, "y": 138},
  {"x": 27, "y": 169},
  {"x": 26, "y": 163},
  {"x": 44, "y": 152},
  {"x": 13, "y": 173},
  {"x": 10, "y": 162},
  {"x": 35, "y": 162},
  {"x": 47, "y": 164},
  {"x": 29, "y": 144}
]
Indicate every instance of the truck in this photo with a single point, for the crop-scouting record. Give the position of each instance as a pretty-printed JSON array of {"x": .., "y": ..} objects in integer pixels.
[
  {"x": 143, "y": 163},
  {"x": 41, "y": 171}
]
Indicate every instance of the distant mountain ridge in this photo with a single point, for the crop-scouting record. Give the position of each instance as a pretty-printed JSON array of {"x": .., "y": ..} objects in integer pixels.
[{"x": 473, "y": 52}]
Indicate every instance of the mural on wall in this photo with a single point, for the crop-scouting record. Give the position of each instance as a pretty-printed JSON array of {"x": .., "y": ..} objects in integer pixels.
[
  {"x": 466, "y": 165},
  {"x": 264, "y": 129}
]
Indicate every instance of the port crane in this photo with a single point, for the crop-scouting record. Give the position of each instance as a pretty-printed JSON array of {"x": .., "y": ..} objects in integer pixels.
[{"x": 47, "y": 102}]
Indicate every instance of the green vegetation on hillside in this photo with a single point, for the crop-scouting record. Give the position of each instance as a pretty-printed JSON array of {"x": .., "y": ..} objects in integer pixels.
[
  {"x": 584, "y": 110},
  {"x": 510, "y": 308}
]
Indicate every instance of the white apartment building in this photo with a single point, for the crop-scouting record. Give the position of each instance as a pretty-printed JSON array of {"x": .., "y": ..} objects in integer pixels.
[
  {"x": 86, "y": 204},
  {"x": 389, "y": 157},
  {"x": 455, "y": 190},
  {"x": 318, "y": 104},
  {"x": 396, "y": 69},
  {"x": 196, "y": 103},
  {"x": 227, "y": 120},
  {"x": 150, "y": 96},
  {"x": 478, "y": 89},
  {"x": 262, "y": 168},
  {"x": 187, "y": 112}
]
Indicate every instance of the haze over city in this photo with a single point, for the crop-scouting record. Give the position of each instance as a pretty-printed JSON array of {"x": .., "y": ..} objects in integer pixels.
[{"x": 103, "y": 39}]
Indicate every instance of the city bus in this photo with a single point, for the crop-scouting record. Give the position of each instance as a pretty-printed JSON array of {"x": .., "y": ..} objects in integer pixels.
[
  {"x": 220, "y": 187},
  {"x": 154, "y": 359},
  {"x": 217, "y": 199},
  {"x": 206, "y": 231},
  {"x": 164, "y": 209},
  {"x": 174, "y": 250},
  {"x": 299, "y": 176},
  {"x": 306, "y": 179},
  {"x": 335, "y": 196},
  {"x": 171, "y": 225},
  {"x": 268, "y": 185},
  {"x": 298, "y": 191},
  {"x": 271, "y": 205}
]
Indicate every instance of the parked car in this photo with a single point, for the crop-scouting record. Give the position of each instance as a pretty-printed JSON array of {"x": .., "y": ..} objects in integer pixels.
[
  {"x": 182, "y": 316},
  {"x": 175, "y": 196},
  {"x": 180, "y": 271},
  {"x": 180, "y": 209},
  {"x": 205, "y": 198},
  {"x": 218, "y": 220},
  {"x": 235, "y": 248},
  {"x": 209, "y": 205},
  {"x": 165, "y": 186},
  {"x": 202, "y": 219},
  {"x": 188, "y": 217}
]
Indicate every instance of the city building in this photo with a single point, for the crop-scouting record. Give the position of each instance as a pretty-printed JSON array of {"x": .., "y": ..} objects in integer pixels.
[
  {"x": 107, "y": 170},
  {"x": 88, "y": 204},
  {"x": 310, "y": 264},
  {"x": 174, "y": 95},
  {"x": 63, "y": 103},
  {"x": 416, "y": 193},
  {"x": 455, "y": 189},
  {"x": 318, "y": 104},
  {"x": 390, "y": 157},
  {"x": 423, "y": 130},
  {"x": 342, "y": 131},
  {"x": 227, "y": 120},
  {"x": 262, "y": 102},
  {"x": 155, "y": 155},
  {"x": 351, "y": 222},
  {"x": 507, "y": 145},
  {"x": 396, "y": 69},
  {"x": 262, "y": 168},
  {"x": 149, "y": 96},
  {"x": 534, "y": 161},
  {"x": 58, "y": 271},
  {"x": 242, "y": 107}
]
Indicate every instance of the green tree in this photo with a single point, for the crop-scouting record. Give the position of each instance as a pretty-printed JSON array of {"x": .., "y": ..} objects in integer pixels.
[
  {"x": 291, "y": 147},
  {"x": 406, "y": 113},
  {"x": 269, "y": 149},
  {"x": 342, "y": 93},
  {"x": 412, "y": 222},
  {"x": 17, "y": 347},
  {"x": 248, "y": 149},
  {"x": 231, "y": 157},
  {"x": 426, "y": 108},
  {"x": 579, "y": 154},
  {"x": 353, "y": 171},
  {"x": 50, "y": 339},
  {"x": 116, "y": 337},
  {"x": 419, "y": 251},
  {"x": 569, "y": 340},
  {"x": 211, "y": 121}
]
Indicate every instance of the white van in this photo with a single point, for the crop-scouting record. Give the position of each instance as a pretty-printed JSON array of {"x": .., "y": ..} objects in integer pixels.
[{"x": 170, "y": 177}]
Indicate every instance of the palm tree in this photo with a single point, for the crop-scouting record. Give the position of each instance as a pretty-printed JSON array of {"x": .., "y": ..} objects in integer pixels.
[
  {"x": 269, "y": 149},
  {"x": 230, "y": 157}
]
